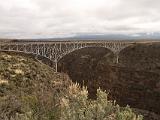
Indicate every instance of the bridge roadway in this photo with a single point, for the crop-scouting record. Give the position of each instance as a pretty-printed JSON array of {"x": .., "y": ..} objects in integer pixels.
[{"x": 56, "y": 50}]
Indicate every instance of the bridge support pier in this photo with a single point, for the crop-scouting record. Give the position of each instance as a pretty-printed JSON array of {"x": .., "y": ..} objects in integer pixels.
[
  {"x": 117, "y": 57},
  {"x": 56, "y": 65}
]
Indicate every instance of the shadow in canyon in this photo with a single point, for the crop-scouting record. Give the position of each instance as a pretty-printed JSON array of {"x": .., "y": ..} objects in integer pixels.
[{"x": 135, "y": 80}]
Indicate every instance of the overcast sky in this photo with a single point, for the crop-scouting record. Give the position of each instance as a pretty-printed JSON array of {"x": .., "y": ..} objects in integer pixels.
[{"x": 56, "y": 18}]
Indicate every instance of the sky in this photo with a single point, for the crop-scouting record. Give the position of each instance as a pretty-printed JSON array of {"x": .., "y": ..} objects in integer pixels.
[{"x": 63, "y": 18}]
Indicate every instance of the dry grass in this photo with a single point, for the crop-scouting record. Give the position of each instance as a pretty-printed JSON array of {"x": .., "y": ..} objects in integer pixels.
[
  {"x": 3, "y": 81},
  {"x": 19, "y": 71}
]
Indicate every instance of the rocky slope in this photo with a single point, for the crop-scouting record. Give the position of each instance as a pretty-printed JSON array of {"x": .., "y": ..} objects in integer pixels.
[{"x": 28, "y": 86}]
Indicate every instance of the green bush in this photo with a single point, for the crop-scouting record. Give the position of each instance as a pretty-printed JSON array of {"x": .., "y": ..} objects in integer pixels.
[
  {"x": 77, "y": 106},
  {"x": 71, "y": 105}
]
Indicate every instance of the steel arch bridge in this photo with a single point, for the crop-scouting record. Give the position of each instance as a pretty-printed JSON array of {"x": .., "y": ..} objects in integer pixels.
[{"x": 57, "y": 50}]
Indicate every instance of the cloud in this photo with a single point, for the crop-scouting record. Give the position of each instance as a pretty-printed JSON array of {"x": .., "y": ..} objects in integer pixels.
[{"x": 58, "y": 18}]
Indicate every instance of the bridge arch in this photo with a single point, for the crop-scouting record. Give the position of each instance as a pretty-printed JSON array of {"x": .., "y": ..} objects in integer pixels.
[
  {"x": 127, "y": 47},
  {"x": 73, "y": 50}
]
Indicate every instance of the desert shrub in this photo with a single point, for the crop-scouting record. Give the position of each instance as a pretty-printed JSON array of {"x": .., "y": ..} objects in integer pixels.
[
  {"x": 77, "y": 106},
  {"x": 9, "y": 107},
  {"x": 72, "y": 104}
]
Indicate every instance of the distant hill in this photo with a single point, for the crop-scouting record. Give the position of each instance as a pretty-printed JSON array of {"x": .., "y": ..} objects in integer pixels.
[
  {"x": 95, "y": 36},
  {"x": 117, "y": 36}
]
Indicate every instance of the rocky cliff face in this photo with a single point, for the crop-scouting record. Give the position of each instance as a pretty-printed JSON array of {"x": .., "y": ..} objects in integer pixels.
[{"x": 135, "y": 80}]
